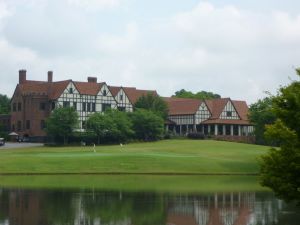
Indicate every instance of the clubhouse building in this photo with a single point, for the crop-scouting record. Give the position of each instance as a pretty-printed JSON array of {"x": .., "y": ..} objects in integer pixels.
[{"x": 33, "y": 101}]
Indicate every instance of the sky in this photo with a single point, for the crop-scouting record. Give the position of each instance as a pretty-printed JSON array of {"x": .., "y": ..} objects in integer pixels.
[{"x": 238, "y": 49}]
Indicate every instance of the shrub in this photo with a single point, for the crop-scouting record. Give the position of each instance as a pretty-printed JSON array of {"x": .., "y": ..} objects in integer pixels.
[{"x": 196, "y": 135}]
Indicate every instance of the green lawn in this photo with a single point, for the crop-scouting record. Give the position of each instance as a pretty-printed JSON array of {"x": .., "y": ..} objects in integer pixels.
[{"x": 163, "y": 157}]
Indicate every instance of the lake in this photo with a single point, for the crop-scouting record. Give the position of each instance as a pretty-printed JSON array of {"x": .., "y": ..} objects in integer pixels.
[{"x": 127, "y": 206}]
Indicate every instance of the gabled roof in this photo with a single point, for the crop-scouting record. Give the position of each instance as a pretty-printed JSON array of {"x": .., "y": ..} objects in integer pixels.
[
  {"x": 88, "y": 88},
  {"x": 134, "y": 94},
  {"x": 53, "y": 90},
  {"x": 57, "y": 88},
  {"x": 241, "y": 108},
  {"x": 216, "y": 106},
  {"x": 114, "y": 90},
  {"x": 182, "y": 106},
  {"x": 186, "y": 106}
]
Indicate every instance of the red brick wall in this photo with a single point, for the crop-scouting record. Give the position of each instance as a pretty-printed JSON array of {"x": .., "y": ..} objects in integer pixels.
[{"x": 30, "y": 111}]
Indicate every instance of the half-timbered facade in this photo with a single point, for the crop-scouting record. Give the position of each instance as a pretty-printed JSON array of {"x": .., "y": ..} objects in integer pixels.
[
  {"x": 33, "y": 101},
  {"x": 86, "y": 98},
  {"x": 123, "y": 102},
  {"x": 219, "y": 117},
  {"x": 126, "y": 97}
]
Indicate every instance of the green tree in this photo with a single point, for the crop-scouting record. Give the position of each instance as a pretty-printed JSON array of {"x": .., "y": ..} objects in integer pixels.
[
  {"x": 280, "y": 168},
  {"x": 153, "y": 103},
  {"x": 147, "y": 125},
  {"x": 123, "y": 124},
  {"x": 62, "y": 122},
  {"x": 102, "y": 125},
  {"x": 113, "y": 126},
  {"x": 4, "y": 104},
  {"x": 261, "y": 114},
  {"x": 199, "y": 95}
]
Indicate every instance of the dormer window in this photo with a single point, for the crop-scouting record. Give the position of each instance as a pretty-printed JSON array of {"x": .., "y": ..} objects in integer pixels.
[
  {"x": 104, "y": 93},
  {"x": 71, "y": 90}
]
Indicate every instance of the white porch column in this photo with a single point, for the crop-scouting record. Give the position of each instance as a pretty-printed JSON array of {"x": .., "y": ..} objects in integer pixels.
[
  {"x": 167, "y": 127},
  {"x": 180, "y": 130},
  {"x": 194, "y": 128},
  {"x": 247, "y": 130},
  {"x": 208, "y": 129},
  {"x": 240, "y": 132},
  {"x": 231, "y": 130},
  {"x": 224, "y": 129},
  {"x": 216, "y": 129},
  {"x": 186, "y": 129}
]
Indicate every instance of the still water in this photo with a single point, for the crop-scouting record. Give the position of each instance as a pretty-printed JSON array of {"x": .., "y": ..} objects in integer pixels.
[{"x": 91, "y": 207}]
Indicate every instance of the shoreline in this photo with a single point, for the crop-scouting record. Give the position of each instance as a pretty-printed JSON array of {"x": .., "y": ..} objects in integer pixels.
[{"x": 128, "y": 173}]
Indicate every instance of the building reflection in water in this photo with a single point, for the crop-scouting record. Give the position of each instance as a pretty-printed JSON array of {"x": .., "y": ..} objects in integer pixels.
[
  {"x": 21, "y": 207},
  {"x": 223, "y": 209}
]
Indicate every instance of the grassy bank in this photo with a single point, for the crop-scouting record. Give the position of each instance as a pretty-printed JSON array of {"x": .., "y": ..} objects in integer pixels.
[
  {"x": 164, "y": 157},
  {"x": 136, "y": 183}
]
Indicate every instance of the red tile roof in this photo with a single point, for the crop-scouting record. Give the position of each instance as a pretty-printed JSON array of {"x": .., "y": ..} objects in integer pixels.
[
  {"x": 216, "y": 106},
  {"x": 88, "y": 88},
  {"x": 57, "y": 88},
  {"x": 182, "y": 106},
  {"x": 134, "y": 94},
  {"x": 241, "y": 108},
  {"x": 114, "y": 90}
]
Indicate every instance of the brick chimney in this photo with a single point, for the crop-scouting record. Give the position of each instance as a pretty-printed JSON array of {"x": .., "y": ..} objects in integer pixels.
[
  {"x": 22, "y": 76},
  {"x": 50, "y": 76},
  {"x": 92, "y": 79}
]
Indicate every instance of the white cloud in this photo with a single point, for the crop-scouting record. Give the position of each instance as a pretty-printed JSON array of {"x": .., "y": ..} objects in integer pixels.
[
  {"x": 116, "y": 44},
  {"x": 4, "y": 11},
  {"x": 228, "y": 50}
]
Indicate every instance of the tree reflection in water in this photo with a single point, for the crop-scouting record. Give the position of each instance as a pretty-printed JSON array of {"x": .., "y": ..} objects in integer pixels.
[{"x": 85, "y": 207}]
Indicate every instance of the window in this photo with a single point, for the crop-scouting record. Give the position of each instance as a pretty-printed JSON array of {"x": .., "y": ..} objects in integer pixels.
[
  {"x": 94, "y": 107},
  {"x": 71, "y": 90},
  {"x": 42, "y": 106},
  {"x": 19, "y": 124},
  {"x": 105, "y": 107},
  {"x": 43, "y": 124},
  {"x": 83, "y": 106},
  {"x": 53, "y": 105},
  {"x": 121, "y": 108},
  {"x": 88, "y": 107},
  {"x": 27, "y": 124},
  {"x": 83, "y": 124},
  {"x": 19, "y": 106},
  {"x": 104, "y": 93},
  {"x": 14, "y": 107},
  {"x": 75, "y": 105},
  {"x": 229, "y": 114},
  {"x": 121, "y": 97},
  {"x": 66, "y": 104}
]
